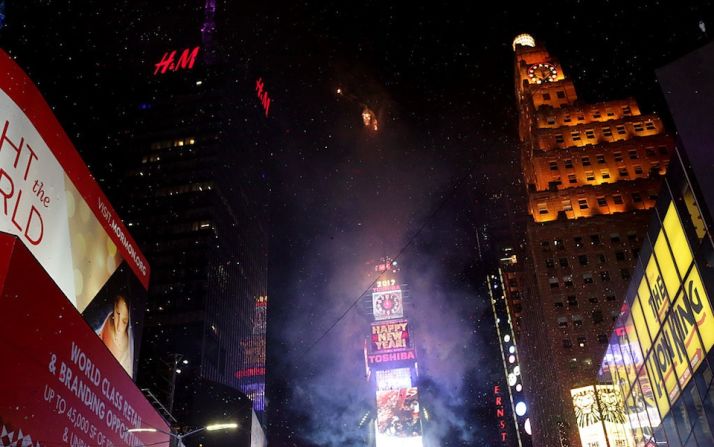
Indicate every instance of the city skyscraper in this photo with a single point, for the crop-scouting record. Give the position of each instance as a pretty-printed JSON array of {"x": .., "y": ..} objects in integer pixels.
[
  {"x": 592, "y": 172},
  {"x": 195, "y": 195}
]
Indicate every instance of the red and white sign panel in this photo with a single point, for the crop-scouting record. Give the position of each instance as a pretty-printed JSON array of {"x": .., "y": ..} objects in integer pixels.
[
  {"x": 49, "y": 198},
  {"x": 58, "y": 384}
]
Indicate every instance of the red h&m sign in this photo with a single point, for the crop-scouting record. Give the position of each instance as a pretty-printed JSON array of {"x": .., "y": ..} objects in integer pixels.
[
  {"x": 262, "y": 95},
  {"x": 500, "y": 413},
  {"x": 169, "y": 63}
]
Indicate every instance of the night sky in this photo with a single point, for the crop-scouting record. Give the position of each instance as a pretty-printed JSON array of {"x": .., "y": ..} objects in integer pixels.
[{"x": 440, "y": 80}]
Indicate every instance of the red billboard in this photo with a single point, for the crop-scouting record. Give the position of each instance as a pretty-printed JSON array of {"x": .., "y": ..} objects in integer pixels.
[
  {"x": 51, "y": 202},
  {"x": 59, "y": 385}
]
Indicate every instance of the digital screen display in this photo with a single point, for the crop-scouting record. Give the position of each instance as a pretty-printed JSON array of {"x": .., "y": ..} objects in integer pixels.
[
  {"x": 392, "y": 379},
  {"x": 398, "y": 418},
  {"x": 390, "y": 337},
  {"x": 387, "y": 305}
]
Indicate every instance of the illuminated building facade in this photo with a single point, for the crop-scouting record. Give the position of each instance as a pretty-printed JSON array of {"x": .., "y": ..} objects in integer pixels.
[
  {"x": 391, "y": 364},
  {"x": 511, "y": 409},
  {"x": 592, "y": 172},
  {"x": 659, "y": 357}
]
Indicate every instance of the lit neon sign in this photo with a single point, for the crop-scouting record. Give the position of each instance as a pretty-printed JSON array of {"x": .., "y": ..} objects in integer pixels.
[
  {"x": 500, "y": 413},
  {"x": 262, "y": 95},
  {"x": 169, "y": 63}
]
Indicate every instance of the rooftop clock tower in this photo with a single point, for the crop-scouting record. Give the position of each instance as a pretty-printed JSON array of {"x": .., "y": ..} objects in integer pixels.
[{"x": 592, "y": 172}]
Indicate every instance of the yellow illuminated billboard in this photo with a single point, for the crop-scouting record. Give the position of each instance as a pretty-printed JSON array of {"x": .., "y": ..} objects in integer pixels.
[{"x": 671, "y": 315}]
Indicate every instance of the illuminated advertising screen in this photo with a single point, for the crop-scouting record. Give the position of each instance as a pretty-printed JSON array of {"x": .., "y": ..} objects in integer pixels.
[
  {"x": 398, "y": 421},
  {"x": 387, "y": 305},
  {"x": 392, "y": 379},
  {"x": 390, "y": 337},
  {"x": 54, "y": 206},
  {"x": 58, "y": 384},
  {"x": 600, "y": 416},
  {"x": 674, "y": 318}
]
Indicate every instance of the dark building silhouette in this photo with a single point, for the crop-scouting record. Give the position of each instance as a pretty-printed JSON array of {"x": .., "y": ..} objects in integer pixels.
[{"x": 195, "y": 195}]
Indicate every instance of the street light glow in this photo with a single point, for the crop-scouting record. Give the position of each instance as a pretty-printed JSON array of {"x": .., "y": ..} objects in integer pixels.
[
  {"x": 221, "y": 426},
  {"x": 137, "y": 430}
]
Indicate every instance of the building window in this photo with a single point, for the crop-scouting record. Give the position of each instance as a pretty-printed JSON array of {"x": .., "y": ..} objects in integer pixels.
[
  {"x": 578, "y": 241},
  {"x": 583, "y": 259},
  {"x": 583, "y": 204},
  {"x": 550, "y": 120},
  {"x": 563, "y": 262},
  {"x": 585, "y": 161},
  {"x": 618, "y": 156},
  {"x": 600, "y": 159},
  {"x": 605, "y": 276},
  {"x": 621, "y": 129},
  {"x": 601, "y": 202},
  {"x": 567, "y": 343},
  {"x": 632, "y": 153},
  {"x": 587, "y": 278},
  {"x": 562, "y": 322},
  {"x": 638, "y": 170},
  {"x": 597, "y": 316},
  {"x": 615, "y": 238},
  {"x": 650, "y": 125},
  {"x": 553, "y": 165},
  {"x": 558, "y": 305},
  {"x": 594, "y": 239},
  {"x": 620, "y": 255},
  {"x": 546, "y": 96},
  {"x": 607, "y": 131},
  {"x": 590, "y": 134},
  {"x": 632, "y": 236},
  {"x": 568, "y": 281},
  {"x": 559, "y": 138},
  {"x": 549, "y": 263},
  {"x": 636, "y": 197},
  {"x": 577, "y": 321},
  {"x": 542, "y": 208},
  {"x": 558, "y": 244},
  {"x": 581, "y": 117},
  {"x": 545, "y": 245},
  {"x": 625, "y": 274},
  {"x": 572, "y": 301},
  {"x": 650, "y": 152},
  {"x": 575, "y": 135},
  {"x": 617, "y": 198},
  {"x": 663, "y": 150},
  {"x": 610, "y": 298},
  {"x": 605, "y": 174},
  {"x": 567, "y": 205},
  {"x": 567, "y": 119},
  {"x": 592, "y": 300},
  {"x": 602, "y": 339},
  {"x": 596, "y": 114},
  {"x": 581, "y": 341},
  {"x": 622, "y": 172},
  {"x": 590, "y": 176},
  {"x": 568, "y": 163},
  {"x": 572, "y": 178},
  {"x": 626, "y": 111},
  {"x": 638, "y": 127},
  {"x": 560, "y": 94},
  {"x": 601, "y": 258}
]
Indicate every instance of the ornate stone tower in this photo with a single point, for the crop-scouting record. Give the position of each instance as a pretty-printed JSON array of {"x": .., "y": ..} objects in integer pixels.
[{"x": 591, "y": 171}]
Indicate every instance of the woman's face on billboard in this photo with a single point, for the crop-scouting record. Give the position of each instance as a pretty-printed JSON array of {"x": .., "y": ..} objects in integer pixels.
[{"x": 121, "y": 316}]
